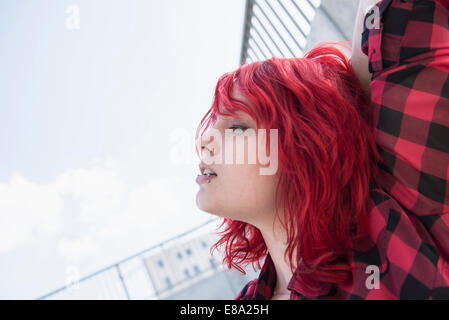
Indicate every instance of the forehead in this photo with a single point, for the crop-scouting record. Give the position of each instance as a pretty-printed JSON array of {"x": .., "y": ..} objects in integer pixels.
[{"x": 236, "y": 94}]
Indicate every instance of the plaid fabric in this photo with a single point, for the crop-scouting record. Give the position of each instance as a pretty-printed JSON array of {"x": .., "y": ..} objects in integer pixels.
[{"x": 409, "y": 201}]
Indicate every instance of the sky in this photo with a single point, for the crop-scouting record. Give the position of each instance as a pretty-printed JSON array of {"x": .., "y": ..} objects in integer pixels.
[{"x": 99, "y": 100}]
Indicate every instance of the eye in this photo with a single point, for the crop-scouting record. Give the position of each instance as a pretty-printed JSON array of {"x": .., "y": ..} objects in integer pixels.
[{"x": 239, "y": 128}]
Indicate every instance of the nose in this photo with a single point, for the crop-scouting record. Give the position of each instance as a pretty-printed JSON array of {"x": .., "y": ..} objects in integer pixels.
[{"x": 204, "y": 146}]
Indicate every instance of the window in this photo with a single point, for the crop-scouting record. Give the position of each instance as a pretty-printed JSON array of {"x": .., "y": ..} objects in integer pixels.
[
  {"x": 204, "y": 244},
  {"x": 179, "y": 255},
  {"x": 188, "y": 252},
  {"x": 160, "y": 263},
  {"x": 212, "y": 262},
  {"x": 168, "y": 282},
  {"x": 187, "y": 273},
  {"x": 196, "y": 269}
]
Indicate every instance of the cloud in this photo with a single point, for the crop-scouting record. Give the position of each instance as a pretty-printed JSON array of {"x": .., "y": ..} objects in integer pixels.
[
  {"x": 85, "y": 210},
  {"x": 98, "y": 192},
  {"x": 27, "y": 210},
  {"x": 148, "y": 208},
  {"x": 74, "y": 249}
]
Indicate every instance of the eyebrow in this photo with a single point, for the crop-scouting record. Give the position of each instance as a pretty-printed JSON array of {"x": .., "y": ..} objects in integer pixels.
[{"x": 239, "y": 114}]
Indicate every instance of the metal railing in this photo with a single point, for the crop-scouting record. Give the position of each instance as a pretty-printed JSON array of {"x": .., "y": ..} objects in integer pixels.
[
  {"x": 130, "y": 279},
  {"x": 276, "y": 28}
]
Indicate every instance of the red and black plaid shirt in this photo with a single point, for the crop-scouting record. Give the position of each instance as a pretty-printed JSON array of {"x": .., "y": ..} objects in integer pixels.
[{"x": 409, "y": 204}]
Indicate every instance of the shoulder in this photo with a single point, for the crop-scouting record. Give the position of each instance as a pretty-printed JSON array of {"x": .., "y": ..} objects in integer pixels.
[{"x": 359, "y": 56}]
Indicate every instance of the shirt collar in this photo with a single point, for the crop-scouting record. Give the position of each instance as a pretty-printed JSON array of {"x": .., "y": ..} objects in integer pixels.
[
  {"x": 299, "y": 289},
  {"x": 267, "y": 280}
]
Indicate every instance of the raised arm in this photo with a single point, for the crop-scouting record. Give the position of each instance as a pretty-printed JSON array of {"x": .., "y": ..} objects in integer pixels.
[
  {"x": 409, "y": 92},
  {"x": 359, "y": 60}
]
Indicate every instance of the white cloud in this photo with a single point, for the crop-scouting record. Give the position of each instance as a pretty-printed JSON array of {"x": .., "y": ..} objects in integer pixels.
[
  {"x": 149, "y": 208},
  {"x": 27, "y": 210},
  {"x": 74, "y": 249},
  {"x": 97, "y": 190},
  {"x": 85, "y": 210}
]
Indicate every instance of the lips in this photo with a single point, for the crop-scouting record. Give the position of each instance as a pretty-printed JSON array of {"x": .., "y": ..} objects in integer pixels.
[
  {"x": 207, "y": 174},
  {"x": 206, "y": 170}
]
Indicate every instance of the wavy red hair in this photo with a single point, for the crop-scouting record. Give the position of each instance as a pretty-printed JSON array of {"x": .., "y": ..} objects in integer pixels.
[{"x": 327, "y": 157}]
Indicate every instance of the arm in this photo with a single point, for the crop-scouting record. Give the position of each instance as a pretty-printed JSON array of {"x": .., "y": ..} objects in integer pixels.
[
  {"x": 359, "y": 60},
  {"x": 410, "y": 105}
]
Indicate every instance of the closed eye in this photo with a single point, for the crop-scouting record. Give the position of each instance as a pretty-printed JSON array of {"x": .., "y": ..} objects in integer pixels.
[{"x": 238, "y": 127}]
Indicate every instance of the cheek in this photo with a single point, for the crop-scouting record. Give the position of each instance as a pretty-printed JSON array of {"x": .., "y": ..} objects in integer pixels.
[
  {"x": 264, "y": 189},
  {"x": 241, "y": 191},
  {"x": 240, "y": 149},
  {"x": 238, "y": 178},
  {"x": 246, "y": 178},
  {"x": 244, "y": 187}
]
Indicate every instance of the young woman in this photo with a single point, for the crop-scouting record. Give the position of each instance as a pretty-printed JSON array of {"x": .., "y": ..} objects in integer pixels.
[{"x": 336, "y": 220}]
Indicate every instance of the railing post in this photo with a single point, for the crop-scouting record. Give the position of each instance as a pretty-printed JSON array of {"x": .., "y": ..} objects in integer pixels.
[
  {"x": 246, "y": 28},
  {"x": 122, "y": 281}
]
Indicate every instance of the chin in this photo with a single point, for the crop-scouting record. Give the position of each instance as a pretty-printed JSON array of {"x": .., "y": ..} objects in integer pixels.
[
  {"x": 208, "y": 205},
  {"x": 204, "y": 203}
]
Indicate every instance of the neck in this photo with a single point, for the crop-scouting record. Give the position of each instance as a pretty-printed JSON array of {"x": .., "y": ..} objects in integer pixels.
[{"x": 276, "y": 242}]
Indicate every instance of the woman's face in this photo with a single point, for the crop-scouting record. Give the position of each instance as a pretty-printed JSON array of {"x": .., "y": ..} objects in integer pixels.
[{"x": 238, "y": 191}]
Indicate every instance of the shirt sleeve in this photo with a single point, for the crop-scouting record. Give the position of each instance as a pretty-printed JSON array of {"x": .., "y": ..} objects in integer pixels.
[
  {"x": 408, "y": 264},
  {"x": 370, "y": 31},
  {"x": 409, "y": 59}
]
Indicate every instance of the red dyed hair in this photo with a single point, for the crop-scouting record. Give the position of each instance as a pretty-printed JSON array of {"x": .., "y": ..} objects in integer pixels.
[{"x": 327, "y": 157}]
